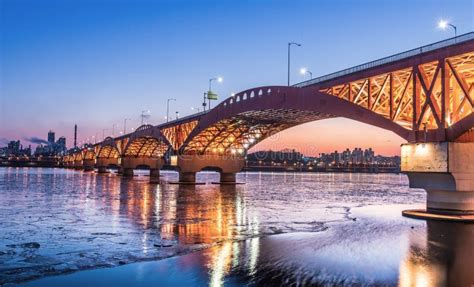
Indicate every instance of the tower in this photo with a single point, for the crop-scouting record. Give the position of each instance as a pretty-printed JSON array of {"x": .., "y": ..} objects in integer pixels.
[
  {"x": 75, "y": 135},
  {"x": 51, "y": 137}
]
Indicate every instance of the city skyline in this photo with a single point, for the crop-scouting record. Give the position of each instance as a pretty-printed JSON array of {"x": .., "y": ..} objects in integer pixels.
[{"x": 125, "y": 68}]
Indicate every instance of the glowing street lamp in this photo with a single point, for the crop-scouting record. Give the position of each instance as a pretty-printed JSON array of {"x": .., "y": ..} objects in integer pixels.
[
  {"x": 443, "y": 24},
  {"x": 125, "y": 125},
  {"x": 168, "y": 108},
  {"x": 304, "y": 71},
  {"x": 210, "y": 94},
  {"x": 145, "y": 114},
  {"x": 289, "y": 57}
]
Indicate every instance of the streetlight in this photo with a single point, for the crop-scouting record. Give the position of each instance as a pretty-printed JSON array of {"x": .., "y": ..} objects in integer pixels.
[
  {"x": 125, "y": 125},
  {"x": 143, "y": 115},
  {"x": 304, "y": 71},
  {"x": 289, "y": 56},
  {"x": 113, "y": 129},
  {"x": 443, "y": 24},
  {"x": 168, "y": 108},
  {"x": 177, "y": 114},
  {"x": 198, "y": 109},
  {"x": 103, "y": 134},
  {"x": 210, "y": 94}
]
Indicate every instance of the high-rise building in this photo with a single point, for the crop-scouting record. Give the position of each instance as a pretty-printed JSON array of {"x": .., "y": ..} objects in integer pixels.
[
  {"x": 51, "y": 137},
  {"x": 60, "y": 146}
]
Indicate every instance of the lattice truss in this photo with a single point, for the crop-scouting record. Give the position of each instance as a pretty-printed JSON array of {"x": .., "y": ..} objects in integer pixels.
[
  {"x": 178, "y": 134},
  {"x": 435, "y": 95},
  {"x": 239, "y": 133},
  {"x": 146, "y": 147},
  {"x": 108, "y": 151},
  {"x": 88, "y": 154},
  {"x": 78, "y": 156}
]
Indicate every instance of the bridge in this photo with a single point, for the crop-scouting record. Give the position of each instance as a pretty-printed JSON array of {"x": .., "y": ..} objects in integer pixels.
[{"x": 425, "y": 95}]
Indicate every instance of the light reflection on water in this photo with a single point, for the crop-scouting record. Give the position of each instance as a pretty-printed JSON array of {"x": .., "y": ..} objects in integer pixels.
[{"x": 332, "y": 229}]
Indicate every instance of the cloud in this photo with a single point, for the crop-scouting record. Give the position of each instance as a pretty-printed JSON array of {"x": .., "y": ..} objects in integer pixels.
[{"x": 37, "y": 140}]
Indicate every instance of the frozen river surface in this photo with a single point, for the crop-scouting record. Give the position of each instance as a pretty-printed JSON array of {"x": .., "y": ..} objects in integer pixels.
[{"x": 277, "y": 228}]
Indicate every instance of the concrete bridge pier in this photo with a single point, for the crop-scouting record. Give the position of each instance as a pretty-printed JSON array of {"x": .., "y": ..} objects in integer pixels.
[
  {"x": 228, "y": 177},
  {"x": 102, "y": 169},
  {"x": 446, "y": 171},
  {"x": 78, "y": 165},
  {"x": 187, "y": 177},
  {"x": 88, "y": 164},
  {"x": 154, "y": 164},
  {"x": 127, "y": 172},
  {"x": 228, "y": 166},
  {"x": 103, "y": 163},
  {"x": 154, "y": 175}
]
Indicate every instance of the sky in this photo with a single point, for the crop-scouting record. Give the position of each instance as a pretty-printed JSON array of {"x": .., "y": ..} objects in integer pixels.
[{"x": 95, "y": 63}]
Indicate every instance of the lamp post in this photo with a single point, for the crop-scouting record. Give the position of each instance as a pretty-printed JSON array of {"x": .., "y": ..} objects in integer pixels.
[
  {"x": 198, "y": 109},
  {"x": 443, "y": 24},
  {"x": 304, "y": 71},
  {"x": 168, "y": 108},
  {"x": 144, "y": 116},
  {"x": 113, "y": 129},
  {"x": 289, "y": 57},
  {"x": 177, "y": 115},
  {"x": 204, "y": 102},
  {"x": 209, "y": 92},
  {"x": 103, "y": 134},
  {"x": 125, "y": 125}
]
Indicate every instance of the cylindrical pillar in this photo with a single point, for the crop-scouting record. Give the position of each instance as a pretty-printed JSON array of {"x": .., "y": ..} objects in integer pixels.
[
  {"x": 187, "y": 177},
  {"x": 228, "y": 177},
  {"x": 120, "y": 170},
  {"x": 88, "y": 168},
  {"x": 102, "y": 169},
  {"x": 450, "y": 202},
  {"x": 154, "y": 175},
  {"x": 128, "y": 172}
]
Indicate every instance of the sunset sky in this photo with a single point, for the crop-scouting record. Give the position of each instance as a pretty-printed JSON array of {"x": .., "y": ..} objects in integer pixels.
[{"x": 94, "y": 63}]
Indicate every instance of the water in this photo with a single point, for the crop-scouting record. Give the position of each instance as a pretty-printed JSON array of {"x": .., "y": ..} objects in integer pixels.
[{"x": 276, "y": 229}]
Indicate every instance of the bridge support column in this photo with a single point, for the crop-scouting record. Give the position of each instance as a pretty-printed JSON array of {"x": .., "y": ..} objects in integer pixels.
[
  {"x": 446, "y": 171},
  {"x": 120, "y": 170},
  {"x": 228, "y": 166},
  {"x": 78, "y": 165},
  {"x": 127, "y": 172},
  {"x": 102, "y": 169},
  {"x": 154, "y": 175},
  {"x": 88, "y": 164},
  {"x": 228, "y": 177},
  {"x": 187, "y": 177}
]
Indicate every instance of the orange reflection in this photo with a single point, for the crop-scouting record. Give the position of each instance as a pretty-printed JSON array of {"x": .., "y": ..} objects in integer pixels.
[{"x": 444, "y": 258}]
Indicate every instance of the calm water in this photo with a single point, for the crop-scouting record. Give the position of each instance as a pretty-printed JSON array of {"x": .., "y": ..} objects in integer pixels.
[{"x": 300, "y": 229}]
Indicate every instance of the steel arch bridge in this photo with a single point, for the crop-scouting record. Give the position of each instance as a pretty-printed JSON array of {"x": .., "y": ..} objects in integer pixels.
[{"x": 423, "y": 95}]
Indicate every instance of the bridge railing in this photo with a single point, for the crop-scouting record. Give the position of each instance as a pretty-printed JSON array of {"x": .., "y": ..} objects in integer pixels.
[{"x": 403, "y": 55}]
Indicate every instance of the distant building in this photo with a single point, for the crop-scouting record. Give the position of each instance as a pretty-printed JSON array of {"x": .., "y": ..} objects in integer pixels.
[
  {"x": 51, "y": 137},
  {"x": 14, "y": 148},
  {"x": 53, "y": 147},
  {"x": 60, "y": 146}
]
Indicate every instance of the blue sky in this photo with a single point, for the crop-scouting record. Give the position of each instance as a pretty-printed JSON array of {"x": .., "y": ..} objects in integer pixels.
[{"x": 95, "y": 63}]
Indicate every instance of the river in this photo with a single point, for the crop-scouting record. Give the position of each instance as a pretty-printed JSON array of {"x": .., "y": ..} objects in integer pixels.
[{"x": 71, "y": 228}]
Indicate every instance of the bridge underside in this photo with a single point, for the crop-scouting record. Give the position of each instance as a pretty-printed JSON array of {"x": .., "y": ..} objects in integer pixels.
[{"x": 237, "y": 134}]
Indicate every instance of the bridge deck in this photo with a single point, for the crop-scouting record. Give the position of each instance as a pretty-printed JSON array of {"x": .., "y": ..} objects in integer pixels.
[{"x": 390, "y": 59}]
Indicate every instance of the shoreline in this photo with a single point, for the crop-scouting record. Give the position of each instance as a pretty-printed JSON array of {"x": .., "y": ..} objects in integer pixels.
[{"x": 371, "y": 170}]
